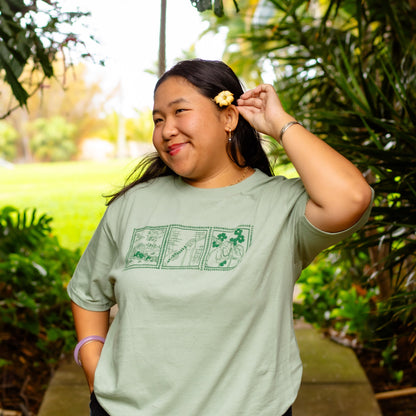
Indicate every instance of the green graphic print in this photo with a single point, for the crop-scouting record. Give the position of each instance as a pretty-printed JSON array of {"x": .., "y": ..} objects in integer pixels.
[{"x": 186, "y": 247}]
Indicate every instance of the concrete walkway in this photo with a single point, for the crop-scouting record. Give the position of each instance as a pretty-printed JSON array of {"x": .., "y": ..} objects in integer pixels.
[{"x": 333, "y": 383}]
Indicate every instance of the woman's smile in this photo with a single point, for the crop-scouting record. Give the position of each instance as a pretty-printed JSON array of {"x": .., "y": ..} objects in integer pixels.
[{"x": 174, "y": 149}]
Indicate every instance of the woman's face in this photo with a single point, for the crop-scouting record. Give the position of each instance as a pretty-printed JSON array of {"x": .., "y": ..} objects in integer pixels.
[{"x": 190, "y": 132}]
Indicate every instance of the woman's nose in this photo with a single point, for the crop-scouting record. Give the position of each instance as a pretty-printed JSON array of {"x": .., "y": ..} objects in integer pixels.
[{"x": 169, "y": 129}]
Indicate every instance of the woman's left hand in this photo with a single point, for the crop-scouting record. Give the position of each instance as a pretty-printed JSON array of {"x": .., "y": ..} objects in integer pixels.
[{"x": 262, "y": 108}]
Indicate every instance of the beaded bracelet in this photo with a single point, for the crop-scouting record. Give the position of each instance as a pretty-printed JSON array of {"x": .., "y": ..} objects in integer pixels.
[
  {"x": 84, "y": 341},
  {"x": 285, "y": 127}
]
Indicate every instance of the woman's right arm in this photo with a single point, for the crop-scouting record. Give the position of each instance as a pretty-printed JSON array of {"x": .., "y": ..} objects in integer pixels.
[{"x": 89, "y": 323}]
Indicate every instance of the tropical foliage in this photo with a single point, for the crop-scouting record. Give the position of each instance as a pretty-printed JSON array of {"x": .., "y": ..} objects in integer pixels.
[
  {"x": 34, "y": 270},
  {"x": 35, "y": 315},
  {"x": 32, "y": 34},
  {"x": 216, "y": 5},
  {"x": 33, "y": 273},
  {"x": 348, "y": 69}
]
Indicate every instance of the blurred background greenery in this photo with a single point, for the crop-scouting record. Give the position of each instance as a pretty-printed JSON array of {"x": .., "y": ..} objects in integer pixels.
[{"x": 345, "y": 68}]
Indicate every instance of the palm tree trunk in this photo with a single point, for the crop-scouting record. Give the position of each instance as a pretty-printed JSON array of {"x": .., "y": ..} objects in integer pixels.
[{"x": 162, "y": 39}]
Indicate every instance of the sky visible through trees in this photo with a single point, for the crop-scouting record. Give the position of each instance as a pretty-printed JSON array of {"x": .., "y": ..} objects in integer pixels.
[{"x": 129, "y": 41}]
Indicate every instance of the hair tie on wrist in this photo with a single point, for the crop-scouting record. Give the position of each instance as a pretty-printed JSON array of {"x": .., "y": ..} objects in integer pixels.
[
  {"x": 285, "y": 127},
  {"x": 84, "y": 341}
]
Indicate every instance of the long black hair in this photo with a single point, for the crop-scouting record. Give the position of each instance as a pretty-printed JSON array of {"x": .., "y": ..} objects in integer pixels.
[{"x": 210, "y": 78}]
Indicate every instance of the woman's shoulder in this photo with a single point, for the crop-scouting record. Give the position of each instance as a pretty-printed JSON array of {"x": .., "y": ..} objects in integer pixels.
[
  {"x": 278, "y": 189},
  {"x": 279, "y": 181},
  {"x": 142, "y": 190}
]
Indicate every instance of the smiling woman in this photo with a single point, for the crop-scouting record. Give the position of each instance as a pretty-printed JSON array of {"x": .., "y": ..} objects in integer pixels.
[
  {"x": 202, "y": 251},
  {"x": 191, "y": 135},
  {"x": 226, "y": 146}
]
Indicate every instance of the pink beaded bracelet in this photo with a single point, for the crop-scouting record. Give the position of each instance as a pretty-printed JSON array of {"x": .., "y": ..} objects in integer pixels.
[{"x": 84, "y": 341}]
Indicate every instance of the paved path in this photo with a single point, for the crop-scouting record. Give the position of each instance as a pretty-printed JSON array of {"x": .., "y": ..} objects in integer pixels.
[{"x": 333, "y": 383}]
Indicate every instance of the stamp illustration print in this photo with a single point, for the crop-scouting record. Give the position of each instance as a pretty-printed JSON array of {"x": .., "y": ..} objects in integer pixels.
[
  {"x": 145, "y": 247},
  {"x": 187, "y": 247}
]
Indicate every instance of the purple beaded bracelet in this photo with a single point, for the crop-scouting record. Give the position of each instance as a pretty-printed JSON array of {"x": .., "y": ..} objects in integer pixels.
[{"x": 84, "y": 341}]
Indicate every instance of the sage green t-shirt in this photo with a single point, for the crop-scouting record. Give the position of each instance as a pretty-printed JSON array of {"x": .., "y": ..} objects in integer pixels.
[{"x": 203, "y": 279}]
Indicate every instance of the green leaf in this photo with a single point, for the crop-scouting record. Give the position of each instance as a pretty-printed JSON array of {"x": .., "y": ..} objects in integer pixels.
[
  {"x": 18, "y": 91},
  {"x": 42, "y": 57}
]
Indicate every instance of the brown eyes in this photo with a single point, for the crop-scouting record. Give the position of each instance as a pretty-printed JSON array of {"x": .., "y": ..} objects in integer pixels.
[{"x": 178, "y": 111}]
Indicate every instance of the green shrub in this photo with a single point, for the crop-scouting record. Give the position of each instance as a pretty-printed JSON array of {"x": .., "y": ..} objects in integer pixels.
[
  {"x": 53, "y": 139},
  {"x": 336, "y": 294},
  {"x": 34, "y": 271},
  {"x": 318, "y": 286},
  {"x": 8, "y": 140}
]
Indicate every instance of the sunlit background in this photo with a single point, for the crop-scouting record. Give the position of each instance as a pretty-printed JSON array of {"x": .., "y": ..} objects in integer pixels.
[{"x": 128, "y": 36}]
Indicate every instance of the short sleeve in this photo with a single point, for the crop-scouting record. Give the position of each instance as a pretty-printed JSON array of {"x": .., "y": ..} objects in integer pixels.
[
  {"x": 312, "y": 240},
  {"x": 91, "y": 285}
]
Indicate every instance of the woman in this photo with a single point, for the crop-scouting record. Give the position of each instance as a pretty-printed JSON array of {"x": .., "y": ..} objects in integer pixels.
[{"x": 201, "y": 253}]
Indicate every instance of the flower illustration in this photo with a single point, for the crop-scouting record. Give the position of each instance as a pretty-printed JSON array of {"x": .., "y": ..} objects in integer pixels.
[
  {"x": 240, "y": 237},
  {"x": 224, "y": 98},
  {"x": 222, "y": 236}
]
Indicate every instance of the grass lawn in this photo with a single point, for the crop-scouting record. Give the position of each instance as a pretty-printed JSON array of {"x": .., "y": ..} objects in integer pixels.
[{"x": 70, "y": 192}]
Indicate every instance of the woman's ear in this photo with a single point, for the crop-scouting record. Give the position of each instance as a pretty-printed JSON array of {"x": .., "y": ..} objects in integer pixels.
[{"x": 230, "y": 117}]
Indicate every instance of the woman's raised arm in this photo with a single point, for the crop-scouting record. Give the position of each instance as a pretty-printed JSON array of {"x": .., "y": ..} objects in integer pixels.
[{"x": 338, "y": 192}]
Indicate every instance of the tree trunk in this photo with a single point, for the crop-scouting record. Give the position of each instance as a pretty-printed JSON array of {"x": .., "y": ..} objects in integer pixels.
[{"x": 162, "y": 39}]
